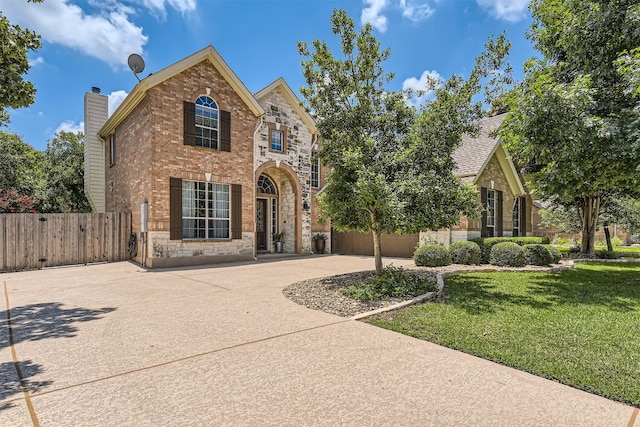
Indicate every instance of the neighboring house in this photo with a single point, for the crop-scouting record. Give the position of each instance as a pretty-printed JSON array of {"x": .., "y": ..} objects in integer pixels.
[
  {"x": 209, "y": 169},
  {"x": 484, "y": 162}
]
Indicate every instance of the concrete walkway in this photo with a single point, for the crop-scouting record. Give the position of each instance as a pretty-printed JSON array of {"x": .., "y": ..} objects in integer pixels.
[{"x": 115, "y": 345}]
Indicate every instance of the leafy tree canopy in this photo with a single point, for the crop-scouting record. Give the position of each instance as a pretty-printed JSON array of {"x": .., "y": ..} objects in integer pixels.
[
  {"x": 15, "y": 44},
  {"x": 64, "y": 170},
  {"x": 20, "y": 166},
  {"x": 391, "y": 165},
  {"x": 573, "y": 120}
]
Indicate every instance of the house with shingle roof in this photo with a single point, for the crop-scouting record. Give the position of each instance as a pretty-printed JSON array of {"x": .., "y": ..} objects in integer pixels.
[
  {"x": 484, "y": 162},
  {"x": 209, "y": 171}
]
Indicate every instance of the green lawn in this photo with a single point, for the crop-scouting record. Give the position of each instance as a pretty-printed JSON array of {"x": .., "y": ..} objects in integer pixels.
[
  {"x": 580, "y": 327},
  {"x": 626, "y": 251}
]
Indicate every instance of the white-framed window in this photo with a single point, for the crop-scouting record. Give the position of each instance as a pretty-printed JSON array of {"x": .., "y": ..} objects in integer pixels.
[
  {"x": 206, "y": 210},
  {"x": 206, "y": 122},
  {"x": 491, "y": 212},
  {"x": 315, "y": 170},
  {"x": 516, "y": 217},
  {"x": 277, "y": 140}
]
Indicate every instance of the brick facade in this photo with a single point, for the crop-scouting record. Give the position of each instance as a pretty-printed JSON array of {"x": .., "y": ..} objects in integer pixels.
[
  {"x": 150, "y": 149},
  {"x": 150, "y": 134},
  {"x": 491, "y": 177}
]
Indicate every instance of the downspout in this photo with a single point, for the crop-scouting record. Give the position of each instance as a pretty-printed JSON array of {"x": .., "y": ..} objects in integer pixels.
[{"x": 253, "y": 186}]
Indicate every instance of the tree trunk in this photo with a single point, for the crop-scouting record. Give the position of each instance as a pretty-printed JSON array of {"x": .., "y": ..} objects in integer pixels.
[
  {"x": 607, "y": 235},
  {"x": 377, "y": 249},
  {"x": 590, "y": 212}
]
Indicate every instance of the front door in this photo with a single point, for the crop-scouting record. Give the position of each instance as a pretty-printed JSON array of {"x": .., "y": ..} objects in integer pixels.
[{"x": 261, "y": 224}]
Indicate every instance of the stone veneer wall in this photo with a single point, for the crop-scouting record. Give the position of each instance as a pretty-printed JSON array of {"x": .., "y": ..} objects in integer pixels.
[{"x": 298, "y": 152}]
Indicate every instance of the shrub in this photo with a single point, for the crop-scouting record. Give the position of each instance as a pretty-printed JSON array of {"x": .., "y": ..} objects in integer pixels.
[
  {"x": 465, "y": 252},
  {"x": 616, "y": 241},
  {"x": 574, "y": 249},
  {"x": 507, "y": 254},
  {"x": 390, "y": 282},
  {"x": 486, "y": 243},
  {"x": 431, "y": 256},
  {"x": 537, "y": 255},
  {"x": 605, "y": 254},
  {"x": 555, "y": 254}
]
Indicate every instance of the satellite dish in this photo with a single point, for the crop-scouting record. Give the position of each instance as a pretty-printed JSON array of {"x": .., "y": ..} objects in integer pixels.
[{"x": 136, "y": 63}]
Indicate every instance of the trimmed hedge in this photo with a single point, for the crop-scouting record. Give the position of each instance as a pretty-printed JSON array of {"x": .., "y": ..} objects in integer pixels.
[
  {"x": 465, "y": 252},
  {"x": 431, "y": 256},
  {"x": 555, "y": 254},
  {"x": 537, "y": 255},
  {"x": 486, "y": 243},
  {"x": 507, "y": 254}
]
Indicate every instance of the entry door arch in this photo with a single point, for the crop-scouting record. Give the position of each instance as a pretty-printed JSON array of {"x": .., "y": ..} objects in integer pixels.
[{"x": 266, "y": 211}]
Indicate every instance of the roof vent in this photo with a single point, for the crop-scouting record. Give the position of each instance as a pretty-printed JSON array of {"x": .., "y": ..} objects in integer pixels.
[{"x": 95, "y": 89}]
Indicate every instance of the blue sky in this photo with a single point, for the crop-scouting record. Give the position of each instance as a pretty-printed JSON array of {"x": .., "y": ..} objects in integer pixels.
[{"x": 86, "y": 43}]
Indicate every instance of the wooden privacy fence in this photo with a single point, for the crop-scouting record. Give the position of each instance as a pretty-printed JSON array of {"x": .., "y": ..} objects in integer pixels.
[{"x": 32, "y": 241}]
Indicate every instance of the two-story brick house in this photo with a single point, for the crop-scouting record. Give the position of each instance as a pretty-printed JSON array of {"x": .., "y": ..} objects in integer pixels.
[{"x": 209, "y": 169}]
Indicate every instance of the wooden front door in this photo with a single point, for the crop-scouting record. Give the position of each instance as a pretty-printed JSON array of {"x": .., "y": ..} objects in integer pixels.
[{"x": 261, "y": 224}]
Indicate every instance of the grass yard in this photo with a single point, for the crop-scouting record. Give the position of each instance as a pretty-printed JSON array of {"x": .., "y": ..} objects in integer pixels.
[
  {"x": 580, "y": 327},
  {"x": 625, "y": 251}
]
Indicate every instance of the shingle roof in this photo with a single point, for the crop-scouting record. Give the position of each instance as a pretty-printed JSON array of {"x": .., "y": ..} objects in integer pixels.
[{"x": 472, "y": 153}]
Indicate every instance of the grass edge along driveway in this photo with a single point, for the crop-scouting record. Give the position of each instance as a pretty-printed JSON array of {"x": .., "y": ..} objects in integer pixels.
[{"x": 580, "y": 327}]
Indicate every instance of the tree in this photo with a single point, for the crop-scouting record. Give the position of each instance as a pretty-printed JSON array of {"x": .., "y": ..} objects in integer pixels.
[
  {"x": 391, "y": 165},
  {"x": 21, "y": 166},
  {"x": 15, "y": 44},
  {"x": 64, "y": 170},
  {"x": 571, "y": 121}
]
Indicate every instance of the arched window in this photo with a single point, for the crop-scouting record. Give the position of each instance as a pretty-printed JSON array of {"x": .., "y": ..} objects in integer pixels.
[
  {"x": 206, "y": 122},
  {"x": 266, "y": 186}
]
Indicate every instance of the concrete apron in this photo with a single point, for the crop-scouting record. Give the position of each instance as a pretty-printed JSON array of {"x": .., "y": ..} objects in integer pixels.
[{"x": 113, "y": 344}]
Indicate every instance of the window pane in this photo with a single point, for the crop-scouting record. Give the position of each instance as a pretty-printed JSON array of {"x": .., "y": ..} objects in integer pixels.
[
  {"x": 276, "y": 140},
  {"x": 206, "y": 122}
]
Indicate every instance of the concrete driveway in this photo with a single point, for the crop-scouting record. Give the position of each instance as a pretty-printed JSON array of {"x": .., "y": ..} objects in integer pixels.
[{"x": 115, "y": 345}]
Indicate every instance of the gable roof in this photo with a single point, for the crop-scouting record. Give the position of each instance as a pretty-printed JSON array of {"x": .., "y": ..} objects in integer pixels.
[
  {"x": 140, "y": 90},
  {"x": 291, "y": 98},
  {"x": 473, "y": 155}
]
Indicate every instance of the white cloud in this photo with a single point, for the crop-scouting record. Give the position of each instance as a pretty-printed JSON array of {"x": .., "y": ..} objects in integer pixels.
[
  {"x": 115, "y": 99},
  {"x": 508, "y": 10},
  {"x": 372, "y": 14},
  {"x": 427, "y": 82},
  {"x": 415, "y": 12},
  {"x": 36, "y": 61},
  {"x": 182, "y": 6},
  {"x": 108, "y": 35},
  {"x": 70, "y": 126}
]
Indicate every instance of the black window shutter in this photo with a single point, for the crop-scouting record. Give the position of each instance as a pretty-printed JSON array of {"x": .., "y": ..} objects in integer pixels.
[
  {"x": 225, "y": 130},
  {"x": 499, "y": 214},
  {"x": 483, "y": 220},
  {"x": 236, "y": 211},
  {"x": 175, "y": 209},
  {"x": 189, "y": 123},
  {"x": 523, "y": 216}
]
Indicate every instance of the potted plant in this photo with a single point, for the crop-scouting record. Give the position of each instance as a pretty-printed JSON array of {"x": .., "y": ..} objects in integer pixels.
[
  {"x": 278, "y": 241},
  {"x": 319, "y": 241}
]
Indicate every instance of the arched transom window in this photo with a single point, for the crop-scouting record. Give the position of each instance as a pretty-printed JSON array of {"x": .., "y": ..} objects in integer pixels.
[
  {"x": 206, "y": 122},
  {"x": 266, "y": 186}
]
